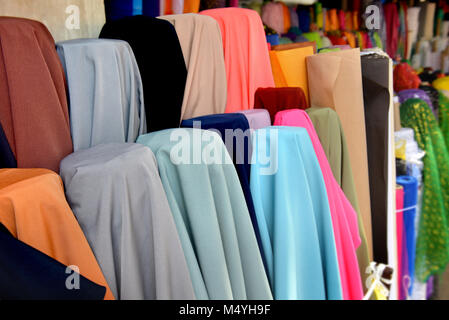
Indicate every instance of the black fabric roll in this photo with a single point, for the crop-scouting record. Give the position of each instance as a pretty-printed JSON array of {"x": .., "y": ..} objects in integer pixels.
[
  {"x": 28, "y": 274},
  {"x": 162, "y": 67},
  {"x": 376, "y": 97},
  {"x": 7, "y": 159}
]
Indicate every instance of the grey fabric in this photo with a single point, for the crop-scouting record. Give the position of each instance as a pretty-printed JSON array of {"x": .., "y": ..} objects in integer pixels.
[
  {"x": 117, "y": 196},
  {"x": 105, "y": 91}
]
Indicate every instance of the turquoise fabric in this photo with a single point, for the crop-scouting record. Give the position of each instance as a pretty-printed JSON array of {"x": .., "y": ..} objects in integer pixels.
[
  {"x": 211, "y": 216},
  {"x": 293, "y": 216}
]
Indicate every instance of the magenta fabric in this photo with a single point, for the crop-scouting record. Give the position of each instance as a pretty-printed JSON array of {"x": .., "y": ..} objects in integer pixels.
[
  {"x": 344, "y": 217},
  {"x": 257, "y": 118},
  {"x": 399, "y": 235}
]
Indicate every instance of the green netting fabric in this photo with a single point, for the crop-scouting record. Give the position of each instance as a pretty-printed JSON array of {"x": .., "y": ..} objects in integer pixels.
[{"x": 443, "y": 116}]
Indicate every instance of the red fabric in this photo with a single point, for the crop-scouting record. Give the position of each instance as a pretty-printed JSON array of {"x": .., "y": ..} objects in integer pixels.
[
  {"x": 278, "y": 99},
  {"x": 33, "y": 101},
  {"x": 405, "y": 77},
  {"x": 392, "y": 22},
  {"x": 337, "y": 41}
]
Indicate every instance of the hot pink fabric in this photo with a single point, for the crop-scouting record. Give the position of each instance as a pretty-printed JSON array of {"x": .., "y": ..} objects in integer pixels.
[
  {"x": 400, "y": 236},
  {"x": 246, "y": 56},
  {"x": 344, "y": 217}
]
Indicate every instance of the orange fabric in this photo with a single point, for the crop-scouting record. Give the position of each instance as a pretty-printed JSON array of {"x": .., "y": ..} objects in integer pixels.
[
  {"x": 168, "y": 7},
  {"x": 33, "y": 100},
  {"x": 286, "y": 13},
  {"x": 289, "y": 68},
  {"x": 246, "y": 56},
  {"x": 333, "y": 20},
  {"x": 191, "y": 6},
  {"x": 348, "y": 21},
  {"x": 34, "y": 209},
  {"x": 350, "y": 37}
]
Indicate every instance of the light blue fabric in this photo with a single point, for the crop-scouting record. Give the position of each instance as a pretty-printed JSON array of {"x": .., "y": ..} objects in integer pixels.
[
  {"x": 105, "y": 92},
  {"x": 211, "y": 216},
  {"x": 293, "y": 215}
]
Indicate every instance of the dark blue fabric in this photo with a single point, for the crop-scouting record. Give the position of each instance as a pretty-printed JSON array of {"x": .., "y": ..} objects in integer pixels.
[
  {"x": 28, "y": 274},
  {"x": 7, "y": 159},
  {"x": 273, "y": 39},
  {"x": 234, "y": 121},
  {"x": 117, "y": 9},
  {"x": 410, "y": 185},
  {"x": 304, "y": 19}
]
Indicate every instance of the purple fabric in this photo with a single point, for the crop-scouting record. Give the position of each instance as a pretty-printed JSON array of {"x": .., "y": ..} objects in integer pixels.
[
  {"x": 404, "y": 95},
  {"x": 257, "y": 118}
]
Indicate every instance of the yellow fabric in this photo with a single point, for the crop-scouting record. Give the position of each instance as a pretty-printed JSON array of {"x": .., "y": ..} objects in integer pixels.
[
  {"x": 441, "y": 84},
  {"x": 289, "y": 68}
]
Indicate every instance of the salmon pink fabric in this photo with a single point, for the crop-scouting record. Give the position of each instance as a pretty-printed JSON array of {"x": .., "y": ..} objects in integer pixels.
[
  {"x": 246, "y": 55},
  {"x": 344, "y": 217}
]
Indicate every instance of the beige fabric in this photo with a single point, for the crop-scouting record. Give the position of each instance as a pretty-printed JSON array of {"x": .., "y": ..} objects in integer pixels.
[
  {"x": 335, "y": 81},
  {"x": 202, "y": 47},
  {"x": 53, "y": 14}
]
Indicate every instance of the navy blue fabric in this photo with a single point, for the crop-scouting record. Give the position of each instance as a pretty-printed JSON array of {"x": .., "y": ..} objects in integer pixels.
[
  {"x": 161, "y": 63},
  {"x": 7, "y": 159},
  {"x": 118, "y": 9},
  {"x": 233, "y": 121},
  {"x": 28, "y": 274}
]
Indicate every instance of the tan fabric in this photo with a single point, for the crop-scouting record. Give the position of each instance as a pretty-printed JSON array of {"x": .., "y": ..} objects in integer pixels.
[
  {"x": 202, "y": 47},
  {"x": 335, "y": 81},
  {"x": 53, "y": 14}
]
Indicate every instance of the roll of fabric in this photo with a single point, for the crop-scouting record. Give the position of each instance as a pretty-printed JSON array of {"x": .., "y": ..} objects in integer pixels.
[
  {"x": 234, "y": 131},
  {"x": 289, "y": 68},
  {"x": 163, "y": 71},
  {"x": 392, "y": 27},
  {"x": 202, "y": 47},
  {"x": 441, "y": 83},
  {"x": 344, "y": 217},
  {"x": 28, "y": 274},
  {"x": 286, "y": 17},
  {"x": 426, "y": 20},
  {"x": 257, "y": 118},
  {"x": 376, "y": 97},
  {"x": 413, "y": 27},
  {"x": 304, "y": 18},
  {"x": 133, "y": 237},
  {"x": 106, "y": 93},
  {"x": 432, "y": 248},
  {"x": 296, "y": 227},
  {"x": 7, "y": 159},
  {"x": 191, "y": 6},
  {"x": 65, "y": 19},
  {"x": 35, "y": 211},
  {"x": 211, "y": 214},
  {"x": 335, "y": 81},
  {"x": 278, "y": 99},
  {"x": 152, "y": 8},
  {"x": 33, "y": 102},
  {"x": 294, "y": 20},
  {"x": 410, "y": 185},
  {"x": 246, "y": 55},
  {"x": 443, "y": 116},
  {"x": 402, "y": 271},
  {"x": 434, "y": 96}
]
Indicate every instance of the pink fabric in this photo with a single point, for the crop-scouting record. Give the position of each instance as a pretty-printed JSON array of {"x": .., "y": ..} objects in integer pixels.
[
  {"x": 400, "y": 236},
  {"x": 273, "y": 16},
  {"x": 246, "y": 56},
  {"x": 344, "y": 217}
]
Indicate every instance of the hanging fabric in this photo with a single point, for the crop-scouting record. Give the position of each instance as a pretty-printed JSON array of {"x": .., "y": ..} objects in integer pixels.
[
  {"x": 211, "y": 215},
  {"x": 163, "y": 72},
  {"x": 202, "y": 47},
  {"x": 392, "y": 24},
  {"x": 402, "y": 271},
  {"x": 33, "y": 102},
  {"x": 443, "y": 117},
  {"x": 278, "y": 99},
  {"x": 299, "y": 268},
  {"x": 105, "y": 92},
  {"x": 35, "y": 211},
  {"x": 335, "y": 81},
  {"x": 191, "y": 6},
  {"x": 7, "y": 159},
  {"x": 28, "y": 274},
  {"x": 246, "y": 55},
  {"x": 344, "y": 217}
]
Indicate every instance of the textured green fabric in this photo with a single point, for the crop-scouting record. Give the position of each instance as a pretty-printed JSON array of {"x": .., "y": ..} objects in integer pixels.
[
  {"x": 211, "y": 215},
  {"x": 328, "y": 127},
  {"x": 443, "y": 116},
  {"x": 432, "y": 248}
]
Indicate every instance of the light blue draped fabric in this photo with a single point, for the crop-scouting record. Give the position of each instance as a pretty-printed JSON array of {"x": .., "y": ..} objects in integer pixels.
[
  {"x": 211, "y": 215},
  {"x": 293, "y": 215},
  {"x": 105, "y": 92}
]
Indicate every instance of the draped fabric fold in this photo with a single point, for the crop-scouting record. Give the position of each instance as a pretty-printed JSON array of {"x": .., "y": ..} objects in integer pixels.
[
  {"x": 28, "y": 274},
  {"x": 159, "y": 56},
  {"x": 432, "y": 247},
  {"x": 35, "y": 211},
  {"x": 333, "y": 141},
  {"x": 33, "y": 102},
  {"x": 335, "y": 81},
  {"x": 105, "y": 92},
  {"x": 257, "y": 118},
  {"x": 7, "y": 159},
  {"x": 245, "y": 53},
  {"x": 117, "y": 197},
  {"x": 278, "y": 99},
  {"x": 211, "y": 215},
  {"x": 202, "y": 47},
  {"x": 443, "y": 117},
  {"x": 294, "y": 221},
  {"x": 344, "y": 217}
]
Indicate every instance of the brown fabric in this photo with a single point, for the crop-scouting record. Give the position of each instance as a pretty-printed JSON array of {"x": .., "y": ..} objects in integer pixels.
[{"x": 33, "y": 101}]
